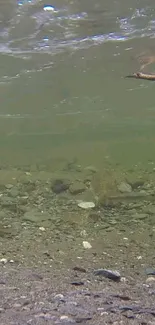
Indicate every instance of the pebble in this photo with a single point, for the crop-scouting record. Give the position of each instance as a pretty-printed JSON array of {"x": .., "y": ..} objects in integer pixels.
[
  {"x": 150, "y": 209},
  {"x": 59, "y": 296},
  {"x": 124, "y": 188},
  {"x": 150, "y": 279},
  {"x": 140, "y": 216},
  {"x": 13, "y": 192},
  {"x": 8, "y": 186},
  {"x": 36, "y": 216},
  {"x": 49, "y": 8},
  {"x": 86, "y": 205},
  {"x": 91, "y": 169},
  {"x": 77, "y": 283},
  {"x": 3, "y": 260},
  {"x": 60, "y": 185},
  {"x": 77, "y": 188},
  {"x": 86, "y": 244},
  {"x": 112, "y": 275},
  {"x": 42, "y": 228},
  {"x": 150, "y": 271},
  {"x": 79, "y": 269}
]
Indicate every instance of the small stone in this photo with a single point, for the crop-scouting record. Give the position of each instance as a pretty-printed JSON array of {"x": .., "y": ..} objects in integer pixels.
[
  {"x": 36, "y": 216},
  {"x": 77, "y": 188},
  {"x": 64, "y": 317},
  {"x": 150, "y": 279},
  {"x": 77, "y": 283},
  {"x": 86, "y": 205},
  {"x": 59, "y": 296},
  {"x": 2, "y": 214},
  {"x": 112, "y": 275},
  {"x": 79, "y": 269},
  {"x": 91, "y": 169},
  {"x": 13, "y": 192},
  {"x": 140, "y": 216},
  {"x": 3, "y": 260},
  {"x": 124, "y": 188},
  {"x": 60, "y": 185},
  {"x": 42, "y": 228},
  {"x": 150, "y": 271},
  {"x": 86, "y": 244},
  {"x": 150, "y": 209},
  {"x": 95, "y": 217},
  {"x": 8, "y": 186}
]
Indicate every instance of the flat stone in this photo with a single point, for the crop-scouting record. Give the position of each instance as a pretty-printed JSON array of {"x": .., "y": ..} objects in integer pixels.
[
  {"x": 13, "y": 192},
  {"x": 36, "y": 216},
  {"x": 91, "y": 169},
  {"x": 77, "y": 187},
  {"x": 150, "y": 209},
  {"x": 86, "y": 244},
  {"x": 86, "y": 205},
  {"x": 140, "y": 216},
  {"x": 124, "y": 188},
  {"x": 112, "y": 275},
  {"x": 60, "y": 185}
]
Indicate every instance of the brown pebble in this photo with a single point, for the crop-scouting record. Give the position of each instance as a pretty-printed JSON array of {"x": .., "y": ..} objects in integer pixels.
[{"x": 79, "y": 269}]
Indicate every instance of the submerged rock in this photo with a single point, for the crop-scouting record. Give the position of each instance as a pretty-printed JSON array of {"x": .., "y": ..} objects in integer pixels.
[
  {"x": 36, "y": 216},
  {"x": 86, "y": 205},
  {"x": 60, "y": 185},
  {"x": 124, "y": 188},
  {"x": 112, "y": 275},
  {"x": 86, "y": 244},
  {"x": 77, "y": 187}
]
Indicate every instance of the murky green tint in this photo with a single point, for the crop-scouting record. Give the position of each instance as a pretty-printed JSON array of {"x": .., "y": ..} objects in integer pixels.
[{"x": 75, "y": 104}]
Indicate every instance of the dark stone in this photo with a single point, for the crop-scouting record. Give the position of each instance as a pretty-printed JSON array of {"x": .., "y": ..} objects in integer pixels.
[
  {"x": 60, "y": 186},
  {"x": 112, "y": 275},
  {"x": 77, "y": 283},
  {"x": 79, "y": 269}
]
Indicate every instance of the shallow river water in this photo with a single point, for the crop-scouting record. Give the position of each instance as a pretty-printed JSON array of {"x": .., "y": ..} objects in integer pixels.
[
  {"x": 73, "y": 128},
  {"x": 77, "y": 159},
  {"x": 63, "y": 94}
]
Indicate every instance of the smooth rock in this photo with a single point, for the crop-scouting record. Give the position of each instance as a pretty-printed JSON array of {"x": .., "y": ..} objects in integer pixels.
[
  {"x": 13, "y": 192},
  {"x": 150, "y": 271},
  {"x": 86, "y": 205},
  {"x": 150, "y": 209},
  {"x": 150, "y": 279},
  {"x": 77, "y": 187},
  {"x": 91, "y": 169},
  {"x": 140, "y": 216},
  {"x": 8, "y": 186},
  {"x": 124, "y": 188},
  {"x": 112, "y": 275},
  {"x": 60, "y": 185},
  {"x": 86, "y": 244},
  {"x": 36, "y": 216}
]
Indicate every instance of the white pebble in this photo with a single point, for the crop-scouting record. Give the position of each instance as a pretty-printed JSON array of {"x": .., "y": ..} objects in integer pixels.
[
  {"x": 86, "y": 205},
  {"x": 64, "y": 317},
  {"x": 42, "y": 228},
  {"x": 86, "y": 244},
  {"x": 4, "y": 260},
  {"x": 48, "y": 8}
]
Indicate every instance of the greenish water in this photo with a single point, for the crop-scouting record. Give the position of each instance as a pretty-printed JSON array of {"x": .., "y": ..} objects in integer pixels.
[{"x": 63, "y": 94}]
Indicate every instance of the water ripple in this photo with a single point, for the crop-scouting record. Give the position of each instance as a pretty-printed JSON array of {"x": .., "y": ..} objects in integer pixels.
[{"x": 36, "y": 27}]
